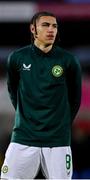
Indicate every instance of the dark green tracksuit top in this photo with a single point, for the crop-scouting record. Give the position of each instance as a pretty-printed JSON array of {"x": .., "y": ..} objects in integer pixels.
[{"x": 45, "y": 89}]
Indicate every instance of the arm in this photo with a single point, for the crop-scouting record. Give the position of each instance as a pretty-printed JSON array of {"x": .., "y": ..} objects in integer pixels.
[
  {"x": 74, "y": 86},
  {"x": 12, "y": 79}
]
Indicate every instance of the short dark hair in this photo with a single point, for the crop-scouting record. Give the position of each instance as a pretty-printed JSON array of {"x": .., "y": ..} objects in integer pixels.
[
  {"x": 40, "y": 14},
  {"x": 36, "y": 17}
]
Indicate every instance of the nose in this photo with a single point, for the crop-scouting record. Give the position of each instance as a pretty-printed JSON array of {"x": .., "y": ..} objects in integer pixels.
[{"x": 50, "y": 28}]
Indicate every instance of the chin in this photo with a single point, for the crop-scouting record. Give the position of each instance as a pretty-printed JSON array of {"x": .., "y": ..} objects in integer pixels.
[{"x": 50, "y": 43}]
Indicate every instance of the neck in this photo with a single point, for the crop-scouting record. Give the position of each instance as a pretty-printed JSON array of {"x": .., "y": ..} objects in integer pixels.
[{"x": 44, "y": 48}]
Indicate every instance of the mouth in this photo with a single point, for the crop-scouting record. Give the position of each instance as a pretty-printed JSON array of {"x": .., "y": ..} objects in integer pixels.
[{"x": 50, "y": 37}]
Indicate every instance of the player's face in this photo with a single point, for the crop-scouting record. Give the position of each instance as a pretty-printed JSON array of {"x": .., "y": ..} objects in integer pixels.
[{"x": 46, "y": 30}]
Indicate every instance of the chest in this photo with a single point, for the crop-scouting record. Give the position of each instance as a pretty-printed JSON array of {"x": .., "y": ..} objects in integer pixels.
[{"x": 42, "y": 70}]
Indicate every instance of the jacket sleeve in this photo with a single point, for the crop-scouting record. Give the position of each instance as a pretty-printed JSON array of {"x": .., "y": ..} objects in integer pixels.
[
  {"x": 74, "y": 86},
  {"x": 12, "y": 79}
]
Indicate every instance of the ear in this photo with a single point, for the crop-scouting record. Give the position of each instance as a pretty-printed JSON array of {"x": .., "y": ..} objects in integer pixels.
[{"x": 32, "y": 28}]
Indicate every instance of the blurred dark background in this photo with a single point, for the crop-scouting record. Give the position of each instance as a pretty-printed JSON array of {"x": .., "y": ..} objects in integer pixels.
[{"x": 74, "y": 28}]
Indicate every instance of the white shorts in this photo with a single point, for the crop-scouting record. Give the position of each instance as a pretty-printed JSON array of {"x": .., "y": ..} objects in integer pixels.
[{"x": 24, "y": 162}]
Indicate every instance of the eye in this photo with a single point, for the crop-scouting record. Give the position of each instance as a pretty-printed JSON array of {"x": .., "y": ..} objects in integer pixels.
[
  {"x": 55, "y": 25},
  {"x": 45, "y": 24}
]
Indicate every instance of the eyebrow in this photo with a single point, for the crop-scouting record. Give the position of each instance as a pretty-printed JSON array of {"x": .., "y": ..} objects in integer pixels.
[{"x": 55, "y": 24}]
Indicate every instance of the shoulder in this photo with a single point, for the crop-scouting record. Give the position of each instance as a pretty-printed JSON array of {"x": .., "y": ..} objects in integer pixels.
[
  {"x": 64, "y": 52},
  {"x": 67, "y": 56},
  {"x": 20, "y": 51},
  {"x": 15, "y": 56}
]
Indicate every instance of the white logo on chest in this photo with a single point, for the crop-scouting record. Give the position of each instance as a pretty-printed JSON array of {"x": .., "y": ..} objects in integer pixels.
[{"x": 26, "y": 67}]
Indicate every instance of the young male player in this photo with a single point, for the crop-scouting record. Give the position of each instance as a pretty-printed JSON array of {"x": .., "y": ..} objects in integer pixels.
[{"x": 44, "y": 82}]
